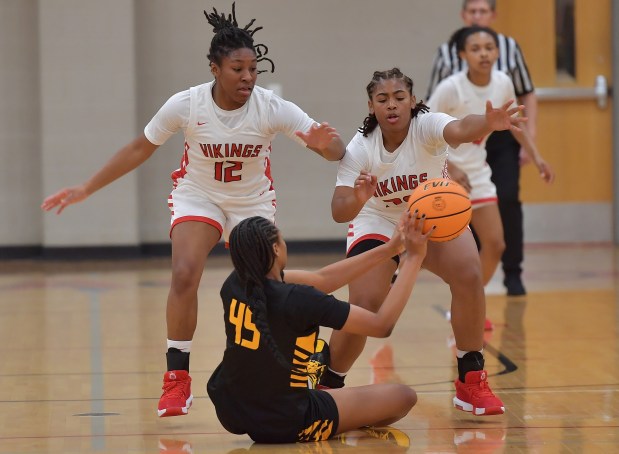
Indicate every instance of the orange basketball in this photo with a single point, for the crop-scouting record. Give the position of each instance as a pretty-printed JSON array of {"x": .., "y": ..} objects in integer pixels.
[{"x": 446, "y": 205}]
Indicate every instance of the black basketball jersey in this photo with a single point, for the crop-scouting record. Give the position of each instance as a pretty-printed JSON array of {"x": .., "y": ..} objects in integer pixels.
[{"x": 252, "y": 392}]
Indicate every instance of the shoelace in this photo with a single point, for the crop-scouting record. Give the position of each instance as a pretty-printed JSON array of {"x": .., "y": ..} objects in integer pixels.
[
  {"x": 381, "y": 435},
  {"x": 174, "y": 389},
  {"x": 483, "y": 390}
]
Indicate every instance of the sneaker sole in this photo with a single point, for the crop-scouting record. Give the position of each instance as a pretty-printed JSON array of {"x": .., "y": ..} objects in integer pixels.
[
  {"x": 176, "y": 411},
  {"x": 488, "y": 411}
]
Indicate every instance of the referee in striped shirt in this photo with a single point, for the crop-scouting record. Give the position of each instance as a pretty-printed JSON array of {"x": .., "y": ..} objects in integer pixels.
[{"x": 503, "y": 150}]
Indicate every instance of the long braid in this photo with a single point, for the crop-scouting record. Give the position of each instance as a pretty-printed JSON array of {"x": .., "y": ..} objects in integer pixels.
[
  {"x": 251, "y": 248},
  {"x": 370, "y": 122},
  {"x": 230, "y": 37}
]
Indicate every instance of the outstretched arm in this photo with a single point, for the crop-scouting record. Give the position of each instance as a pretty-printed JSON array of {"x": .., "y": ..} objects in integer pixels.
[
  {"x": 324, "y": 140},
  {"x": 381, "y": 323},
  {"x": 338, "y": 274},
  {"x": 125, "y": 160},
  {"x": 473, "y": 127}
]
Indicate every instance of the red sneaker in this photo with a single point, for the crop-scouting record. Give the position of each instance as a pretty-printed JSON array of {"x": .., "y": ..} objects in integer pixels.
[
  {"x": 475, "y": 395},
  {"x": 176, "y": 398}
]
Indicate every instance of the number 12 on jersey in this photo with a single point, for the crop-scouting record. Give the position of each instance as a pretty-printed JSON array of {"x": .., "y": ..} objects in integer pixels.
[{"x": 224, "y": 171}]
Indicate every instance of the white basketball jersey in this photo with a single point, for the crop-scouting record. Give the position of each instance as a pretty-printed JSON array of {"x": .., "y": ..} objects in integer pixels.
[
  {"x": 422, "y": 156},
  {"x": 457, "y": 96},
  {"x": 226, "y": 159}
]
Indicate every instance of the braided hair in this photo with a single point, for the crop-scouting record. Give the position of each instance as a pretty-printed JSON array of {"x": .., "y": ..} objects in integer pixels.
[
  {"x": 230, "y": 37},
  {"x": 370, "y": 122},
  {"x": 251, "y": 248},
  {"x": 459, "y": 37}
]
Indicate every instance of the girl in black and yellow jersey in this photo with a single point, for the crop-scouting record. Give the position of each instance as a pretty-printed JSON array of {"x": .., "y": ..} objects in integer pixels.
[{"x": 272, "y": 320}]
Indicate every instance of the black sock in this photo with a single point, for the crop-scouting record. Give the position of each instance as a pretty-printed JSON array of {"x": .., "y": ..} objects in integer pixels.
[
  {"x": 470, "y": 361},
  {"x": 331, "y": 379},
  {"x": 177, "y": 360}
]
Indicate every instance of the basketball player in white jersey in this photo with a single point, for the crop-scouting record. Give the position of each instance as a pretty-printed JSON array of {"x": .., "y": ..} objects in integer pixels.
[
  {"x": 505, "y": 156},
  {"x": 224, "y": 176},
  {"x": 467, "y": 92},
  {"x": 399, "y": 147}
]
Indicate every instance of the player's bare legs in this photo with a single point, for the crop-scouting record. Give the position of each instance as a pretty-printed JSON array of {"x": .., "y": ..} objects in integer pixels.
[
  {"x": 368, "y": 291},
  {"x": 486, "y": 221},
  {"x": 457, "y": 263},
  {"x": 372, "y": 405},
  {"x": 191, "y": 243}
]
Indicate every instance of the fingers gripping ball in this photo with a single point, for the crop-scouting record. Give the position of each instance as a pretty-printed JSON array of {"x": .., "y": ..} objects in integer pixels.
[{"x": 446, "y": 205}]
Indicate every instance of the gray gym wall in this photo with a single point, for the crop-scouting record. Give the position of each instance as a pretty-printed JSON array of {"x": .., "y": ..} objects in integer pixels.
[{"x": 80, "y": 78}]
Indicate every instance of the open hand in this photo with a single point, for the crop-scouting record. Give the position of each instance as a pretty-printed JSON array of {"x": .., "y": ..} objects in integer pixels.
[
  {"x": 64, "y": 198},
  {"x": 365, "y": 186},
  {"x": 502, "y": 118},
  {"x": 415, "y": 241},
  {"x": 319, "y": 136},
  {"x": 410, "y": 233}
]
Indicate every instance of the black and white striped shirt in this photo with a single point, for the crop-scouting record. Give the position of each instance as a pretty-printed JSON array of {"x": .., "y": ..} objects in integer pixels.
[{"x": 511, "y": 62}]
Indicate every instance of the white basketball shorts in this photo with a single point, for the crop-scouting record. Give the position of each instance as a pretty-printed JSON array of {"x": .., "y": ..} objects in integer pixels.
[
  {"x": 368, "y": 227},
  {"x": 484, "y": 190},
  {"x": 188, "y": 203}
]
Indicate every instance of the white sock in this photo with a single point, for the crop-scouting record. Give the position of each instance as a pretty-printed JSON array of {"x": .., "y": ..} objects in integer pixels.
[
  {"x": 184, "y": 346},
  {"x": 461, "y": 353},
  {"x": 341, "y": 374}
]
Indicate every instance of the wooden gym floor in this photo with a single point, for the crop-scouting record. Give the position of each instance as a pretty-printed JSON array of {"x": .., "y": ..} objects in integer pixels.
[{"x": 82, "y": 357}]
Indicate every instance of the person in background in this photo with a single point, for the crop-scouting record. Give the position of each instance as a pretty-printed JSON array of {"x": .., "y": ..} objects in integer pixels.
[
  {"x": 504, "y": 151},
  {"x": 467, "y": 92}
]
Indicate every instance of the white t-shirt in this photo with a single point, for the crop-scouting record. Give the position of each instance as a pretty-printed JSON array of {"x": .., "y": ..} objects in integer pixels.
[
  {"x": 422, "y": 156},
  {"x": 459, "y": 97},
  {"x": 226, "y": 152}
]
